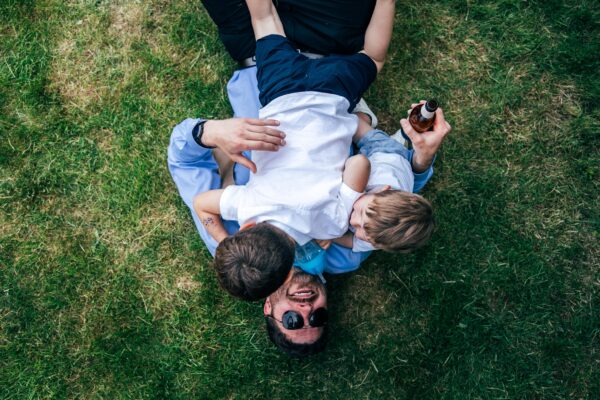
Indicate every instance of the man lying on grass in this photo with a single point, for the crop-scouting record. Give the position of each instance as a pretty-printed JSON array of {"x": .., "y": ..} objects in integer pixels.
[{"x": 195, "y": 170}]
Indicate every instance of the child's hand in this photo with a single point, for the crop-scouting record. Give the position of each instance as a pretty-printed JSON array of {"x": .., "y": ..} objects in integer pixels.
[{"x": 324, "y": 243}]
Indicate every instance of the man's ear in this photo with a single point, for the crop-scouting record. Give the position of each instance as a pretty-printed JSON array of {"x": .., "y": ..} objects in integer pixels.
[{"x": 267, "y": 307}]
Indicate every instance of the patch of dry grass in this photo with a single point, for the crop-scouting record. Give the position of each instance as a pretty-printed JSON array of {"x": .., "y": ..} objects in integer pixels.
[{"x": 94, "y": 61}]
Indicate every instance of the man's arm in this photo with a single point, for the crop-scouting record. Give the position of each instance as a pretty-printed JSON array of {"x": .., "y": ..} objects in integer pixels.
[
  {"x": 192, "y": 167},
  {"x": 379, "y": 31},
  {"x": 194, "y": 171},
  {"x": 207, "y": 208},
  {"x": 264, "y": 17}
]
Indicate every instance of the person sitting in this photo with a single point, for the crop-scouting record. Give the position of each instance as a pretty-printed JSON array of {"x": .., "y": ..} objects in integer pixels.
[{"x": 300, "y": 189}]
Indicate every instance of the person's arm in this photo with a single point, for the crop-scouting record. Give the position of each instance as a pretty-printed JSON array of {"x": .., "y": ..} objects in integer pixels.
[
  {"x": 192, "y": 167},
  {"x": 345, "y": 241},
  {"x": 420, "y": 175},
  {"x": 236, "y": 135},
  {"x": 426, "y": 144},
  {"x": 194, "y": 171},
  {"x": 207, "y": 208},
  {"x": 379, "y": 31},
  {"x": 363, "y": 127},
  {"x": 356, "y": 173},
  {"x": 264, "y": 17}
]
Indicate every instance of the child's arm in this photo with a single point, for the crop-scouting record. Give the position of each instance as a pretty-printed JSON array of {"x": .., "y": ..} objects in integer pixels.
[
  {"x": 346, "y": 240},
  {"x": 379, "y": 31},
  {"x": 207, "y": 207},
  {"x": 356, "y": 172},
  {"x": 265, "y": 20}
]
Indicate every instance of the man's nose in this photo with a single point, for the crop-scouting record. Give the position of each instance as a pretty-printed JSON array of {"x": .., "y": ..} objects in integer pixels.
[{"x": 305, "y": 309}]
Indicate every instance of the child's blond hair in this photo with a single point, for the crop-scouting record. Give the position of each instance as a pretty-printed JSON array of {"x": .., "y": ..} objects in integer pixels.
[{"x": 399, "y": 221}]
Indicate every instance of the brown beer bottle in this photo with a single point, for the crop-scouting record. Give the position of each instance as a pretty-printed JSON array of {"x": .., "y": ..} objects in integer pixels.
[{"x": 422, "y": 116}]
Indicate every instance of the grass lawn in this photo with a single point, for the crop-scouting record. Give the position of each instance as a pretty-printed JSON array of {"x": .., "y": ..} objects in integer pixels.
[{"x": 106, "y": 290}]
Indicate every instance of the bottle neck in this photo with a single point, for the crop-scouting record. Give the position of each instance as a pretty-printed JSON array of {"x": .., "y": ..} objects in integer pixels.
[{"x": 425, "y": 113}]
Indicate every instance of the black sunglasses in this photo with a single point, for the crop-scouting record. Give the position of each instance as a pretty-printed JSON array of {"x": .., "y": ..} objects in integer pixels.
[{"x": 292, "y": 320}]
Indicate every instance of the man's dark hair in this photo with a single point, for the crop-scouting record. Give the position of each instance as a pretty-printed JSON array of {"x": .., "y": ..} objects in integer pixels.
[
  {"x": 291, "y": 348},
  {"x": 254, "y": 262}
]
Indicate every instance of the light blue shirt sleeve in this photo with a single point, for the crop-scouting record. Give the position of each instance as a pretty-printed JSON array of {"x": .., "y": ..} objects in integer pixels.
[
  {"x": 341, "y": 259},
  {"x": 422, "y": 178},
  {"x": 242, "y": 90},
  {"x": 194, "y": 171}
]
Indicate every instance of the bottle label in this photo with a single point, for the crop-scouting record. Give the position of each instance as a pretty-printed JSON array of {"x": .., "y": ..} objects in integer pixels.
[{"x": 425, "y": 113}]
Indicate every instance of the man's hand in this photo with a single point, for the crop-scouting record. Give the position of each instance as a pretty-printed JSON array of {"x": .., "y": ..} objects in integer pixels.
[
  {"x": 236, "y": 135},
  {"x": 426, "y": 144}
]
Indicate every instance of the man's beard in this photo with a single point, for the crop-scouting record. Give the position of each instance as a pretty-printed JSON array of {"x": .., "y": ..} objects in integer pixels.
[{"x": 299, "y": 279}]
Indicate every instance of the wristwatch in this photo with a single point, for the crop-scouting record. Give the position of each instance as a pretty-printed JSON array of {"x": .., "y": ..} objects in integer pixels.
[{"x": 197, "y": 135}]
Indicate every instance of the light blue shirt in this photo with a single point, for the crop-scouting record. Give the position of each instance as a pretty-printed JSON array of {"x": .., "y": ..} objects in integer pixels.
[{"x": 195, "y": 171}]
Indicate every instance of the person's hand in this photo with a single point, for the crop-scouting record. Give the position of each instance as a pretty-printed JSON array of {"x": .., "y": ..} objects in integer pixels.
[
  {"x": 236, "y": 135},
  {"x": 323, "y": 243},
  {"x": 426, "y": 144}
]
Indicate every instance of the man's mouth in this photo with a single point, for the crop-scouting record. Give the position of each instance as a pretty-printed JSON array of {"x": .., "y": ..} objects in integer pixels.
[{"x": 302, "y": 295}]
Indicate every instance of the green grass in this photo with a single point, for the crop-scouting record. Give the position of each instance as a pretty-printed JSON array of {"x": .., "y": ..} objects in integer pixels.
[{"x": 107, "y": 291}]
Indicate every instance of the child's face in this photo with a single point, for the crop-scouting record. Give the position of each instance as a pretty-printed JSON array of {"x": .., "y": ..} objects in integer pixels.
[{"x": 358, "y": 218}]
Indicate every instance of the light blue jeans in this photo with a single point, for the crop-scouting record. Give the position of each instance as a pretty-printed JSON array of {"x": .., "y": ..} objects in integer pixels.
[{"x": 377, "y": 141}]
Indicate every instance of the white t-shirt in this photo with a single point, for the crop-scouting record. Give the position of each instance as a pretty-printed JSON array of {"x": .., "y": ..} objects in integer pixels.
[
  {"x": 299, "y": 188},
  {"x": 386, "y": 169}
]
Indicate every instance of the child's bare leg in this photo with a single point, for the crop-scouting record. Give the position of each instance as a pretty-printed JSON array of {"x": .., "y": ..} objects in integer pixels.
[
  {"x": 265, "y": 20},
  {"x": 379, "y": 32},
  {"x": 356, "y": 172}
]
